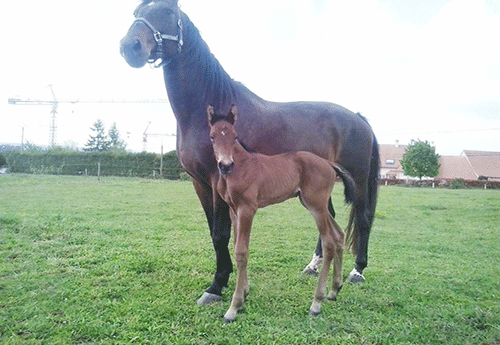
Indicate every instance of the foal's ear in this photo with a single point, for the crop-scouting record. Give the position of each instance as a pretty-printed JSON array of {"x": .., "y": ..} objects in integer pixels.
[
  {"x": 232, "y": 116},
  {"x": 210, "y": 115}
]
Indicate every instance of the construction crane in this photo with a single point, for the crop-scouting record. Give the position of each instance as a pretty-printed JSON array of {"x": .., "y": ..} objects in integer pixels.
[
  {"x": 55, "y": 103},
  {"x": 145, "y": 136}
]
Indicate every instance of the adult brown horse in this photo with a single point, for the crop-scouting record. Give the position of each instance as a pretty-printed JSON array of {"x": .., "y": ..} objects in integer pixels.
[{"x": 164, "y": 36}]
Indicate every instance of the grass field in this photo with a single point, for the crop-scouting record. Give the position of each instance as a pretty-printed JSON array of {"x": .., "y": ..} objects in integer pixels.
[{"x": 123, "y": 261}]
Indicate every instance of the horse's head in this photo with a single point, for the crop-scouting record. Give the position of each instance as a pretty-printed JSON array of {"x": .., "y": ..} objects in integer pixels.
[
  {"x": 223, "y": 137},
  {"x": 156, "y": 34}
]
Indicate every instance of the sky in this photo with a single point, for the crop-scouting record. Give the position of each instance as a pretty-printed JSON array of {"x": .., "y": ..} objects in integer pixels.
[{"x": 416, "y": 69}]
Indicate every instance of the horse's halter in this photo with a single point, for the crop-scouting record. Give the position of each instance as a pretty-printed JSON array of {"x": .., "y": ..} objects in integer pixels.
[{"x": 157, "y": 58}]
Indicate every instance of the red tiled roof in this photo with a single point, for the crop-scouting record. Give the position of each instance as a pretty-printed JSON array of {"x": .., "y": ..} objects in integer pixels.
[
  {"x": 453, "y": 167},
  {"x": 469, "y": 166},
  {"x": 484, "y": 163}
]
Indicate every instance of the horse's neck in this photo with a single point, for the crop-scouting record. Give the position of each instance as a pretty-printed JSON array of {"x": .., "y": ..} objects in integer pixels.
[{"x": 195, "y": 79}]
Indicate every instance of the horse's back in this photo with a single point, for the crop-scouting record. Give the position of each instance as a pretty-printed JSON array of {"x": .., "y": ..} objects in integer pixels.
[{"x": 325, "y": 129}]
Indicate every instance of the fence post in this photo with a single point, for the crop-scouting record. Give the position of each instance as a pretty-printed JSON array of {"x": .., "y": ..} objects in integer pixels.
[
  {"x": 161, "y": 159},
  {"x": 99, "y": 171}
]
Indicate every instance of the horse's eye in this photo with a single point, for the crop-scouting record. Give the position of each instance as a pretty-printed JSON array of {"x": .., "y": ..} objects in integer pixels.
[
  {"x": 236, "y": 138},
  {"x": 211, "y": 138}
]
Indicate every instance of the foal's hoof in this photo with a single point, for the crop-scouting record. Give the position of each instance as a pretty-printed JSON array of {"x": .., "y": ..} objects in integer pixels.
[
  {"x": 209, "y": 298},
  {"x": 315, "y": 309},
  {"x": 355, "y": 277},
  {"x": 229, "y": 320},
  {"x": 231, "y": 314}
]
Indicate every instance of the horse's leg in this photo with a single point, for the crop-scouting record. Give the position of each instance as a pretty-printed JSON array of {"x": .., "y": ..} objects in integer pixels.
[
  {"x": 312, "y": 267},
  {"x": 220, "y": 231},
  {"x": 338, "y": 255},
  {"x": 242, "y": 229},
  {"x": 362, "y": 224}
]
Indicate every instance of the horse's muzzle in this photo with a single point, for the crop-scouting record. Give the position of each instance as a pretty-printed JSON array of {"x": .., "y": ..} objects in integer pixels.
[{"x": 133, "y": 52}]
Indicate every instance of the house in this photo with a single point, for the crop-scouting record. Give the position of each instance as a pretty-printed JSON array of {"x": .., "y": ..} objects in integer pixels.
[
  {"x": 470, "y": 165},
  {"x": 390, "y": 157}
]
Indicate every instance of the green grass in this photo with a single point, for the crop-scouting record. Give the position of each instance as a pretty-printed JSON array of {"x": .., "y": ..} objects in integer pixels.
[{"x": 123, "y": 261}]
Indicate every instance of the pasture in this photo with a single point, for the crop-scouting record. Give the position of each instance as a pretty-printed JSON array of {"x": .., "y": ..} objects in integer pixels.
[{"x": 123, "y": 261}]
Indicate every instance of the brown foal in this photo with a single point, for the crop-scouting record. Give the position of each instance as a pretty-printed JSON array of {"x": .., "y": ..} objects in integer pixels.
[{"x": 249, "y": 181}]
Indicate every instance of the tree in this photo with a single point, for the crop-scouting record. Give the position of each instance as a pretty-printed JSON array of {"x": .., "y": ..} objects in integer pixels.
[
  {"x": 116, "y": 143},
  {"x": 420, "y": 159},
  {"x": 99, "y": 141}
]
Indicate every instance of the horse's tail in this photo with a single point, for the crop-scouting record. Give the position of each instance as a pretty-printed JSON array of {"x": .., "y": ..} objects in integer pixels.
[{"x": 373, "y": 181}]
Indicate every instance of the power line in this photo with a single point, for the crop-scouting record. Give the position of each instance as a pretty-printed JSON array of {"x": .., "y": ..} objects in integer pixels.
[{"x": 444, "y": 132}]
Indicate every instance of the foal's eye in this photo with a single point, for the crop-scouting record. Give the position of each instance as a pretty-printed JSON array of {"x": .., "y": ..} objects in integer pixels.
[{"x": 211, "y": 138}]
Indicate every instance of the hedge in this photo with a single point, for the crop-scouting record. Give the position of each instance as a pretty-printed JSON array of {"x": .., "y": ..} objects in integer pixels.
[
  {"x": 110, "y": 164},
  {"x": 443, "y": 183}
]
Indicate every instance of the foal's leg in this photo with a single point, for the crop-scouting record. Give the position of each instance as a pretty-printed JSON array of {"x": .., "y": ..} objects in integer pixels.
[
  {"x": 244, "y": 217},
  {"x": 312, "y": 267},
  {"x": 324, "y": 222},
  {"x": 338, "y": 255}
]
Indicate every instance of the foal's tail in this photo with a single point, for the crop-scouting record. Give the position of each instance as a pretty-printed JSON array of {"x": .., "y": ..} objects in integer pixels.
[
  {"x": 348, "y": 181},
  {"x": 350, "y": 191}
]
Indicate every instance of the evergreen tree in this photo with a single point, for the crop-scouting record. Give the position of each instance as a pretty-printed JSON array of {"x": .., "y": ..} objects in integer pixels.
[
  {"x": 98, "y": 142},
  {"x": 420, "y": 159},
  {"x": 114, "y": 137}
]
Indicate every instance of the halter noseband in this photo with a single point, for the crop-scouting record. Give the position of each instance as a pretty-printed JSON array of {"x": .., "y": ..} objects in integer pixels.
[{"x": 157, "y": 59}]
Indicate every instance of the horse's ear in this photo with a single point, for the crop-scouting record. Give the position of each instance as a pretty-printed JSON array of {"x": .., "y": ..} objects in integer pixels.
[
  {"x": 210, "y": 115},
  {"x": 232, "y": 116}
]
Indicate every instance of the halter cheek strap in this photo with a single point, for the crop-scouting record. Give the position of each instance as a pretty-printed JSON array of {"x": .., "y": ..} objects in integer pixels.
[{"x": 157, "y": 59}]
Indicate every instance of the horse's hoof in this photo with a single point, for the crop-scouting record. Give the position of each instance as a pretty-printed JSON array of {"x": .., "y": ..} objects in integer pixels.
[
  {"x": 310, "y": 271},
  {"x": 312, "y": 268},
  {"x": 355, "y": 277},
  {"x": 209, "y": 298}
]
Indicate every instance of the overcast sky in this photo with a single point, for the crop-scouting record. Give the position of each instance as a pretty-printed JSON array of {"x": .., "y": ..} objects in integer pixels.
[{"x": 417, "y": 69}]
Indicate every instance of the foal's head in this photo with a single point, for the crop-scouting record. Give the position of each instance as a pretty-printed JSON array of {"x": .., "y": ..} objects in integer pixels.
[{"x": 223, "y": 137}]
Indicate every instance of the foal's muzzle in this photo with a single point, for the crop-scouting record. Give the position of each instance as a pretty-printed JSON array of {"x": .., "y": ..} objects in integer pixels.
[{"x": 225, "y": 169}]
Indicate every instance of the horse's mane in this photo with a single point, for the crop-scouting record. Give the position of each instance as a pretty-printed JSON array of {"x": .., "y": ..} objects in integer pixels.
[{"x": 219, "y": 88}]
